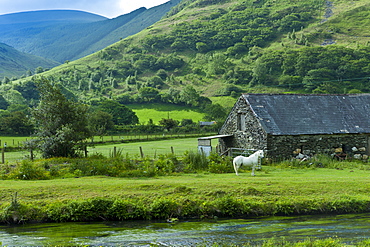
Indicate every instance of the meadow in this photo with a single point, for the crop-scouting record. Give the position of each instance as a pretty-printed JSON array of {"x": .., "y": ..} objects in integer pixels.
[
  {"x": 157, "y": 111},
  {"x": 274, "y": 191},
  {"x": 149, "y": 148}
]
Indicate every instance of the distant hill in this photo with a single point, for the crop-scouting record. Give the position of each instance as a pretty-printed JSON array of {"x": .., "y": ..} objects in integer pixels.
[
  {"x": 47, "y": 17},
  {"x": 16, "y": 63},
  {"x": 62, "y": 35}
]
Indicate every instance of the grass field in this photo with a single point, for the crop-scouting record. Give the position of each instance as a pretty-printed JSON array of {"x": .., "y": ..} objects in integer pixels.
[
  {"x": 12, "y": 141},
  {"x": 158, "y": 111},
  {"x": 149, "y": 148},
  {"x": 272, "y": 185}
]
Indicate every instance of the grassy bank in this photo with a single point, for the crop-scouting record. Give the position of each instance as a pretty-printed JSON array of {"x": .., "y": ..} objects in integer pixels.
[{"x": 274, "y": 191}]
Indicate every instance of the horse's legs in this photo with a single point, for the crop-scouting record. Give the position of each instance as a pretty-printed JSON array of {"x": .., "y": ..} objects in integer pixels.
[
  {"x": 235, "y": 168},
  {"x": 253, "y": 168}
]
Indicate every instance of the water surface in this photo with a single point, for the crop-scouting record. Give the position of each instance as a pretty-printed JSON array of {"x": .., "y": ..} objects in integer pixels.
[{"x": 350, "y": 228}]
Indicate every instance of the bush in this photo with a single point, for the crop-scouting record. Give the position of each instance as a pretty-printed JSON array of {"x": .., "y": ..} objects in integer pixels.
[
  {"x": 17, "y": 213},
  {"x": 27, "y": 170},
  {"x": 125, "y": 210},
  {"x": 164, "y": 209},
  {"x": 164, "y": 166},
  {"x": 195, "y": 161},
  {"x": 89, "y": 210},
  {"x": 220, "y": 164}
]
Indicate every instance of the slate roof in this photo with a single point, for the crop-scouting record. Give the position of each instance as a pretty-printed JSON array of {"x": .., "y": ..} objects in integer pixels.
[{"x": 296, "y": 114}]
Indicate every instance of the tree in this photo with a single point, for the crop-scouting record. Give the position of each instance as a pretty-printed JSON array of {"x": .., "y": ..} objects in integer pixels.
[
  {"x": 14, "y": 97},
  {"x": 100, "y": 122},
  {"x": 16, "y": 123},
  {"x": 121, "y": 114},
  {"x": 3, "y": 103},
  {"x": 39, "y": 70},
  {"x": 149, "y": 94},
  {"x": 61, "y": 124},
  {"x": 189, "y": 96},
  {"x": 168, "y": 123},
  {"x": 154, "y": 82},
  {"x": 215, "y": 112}
]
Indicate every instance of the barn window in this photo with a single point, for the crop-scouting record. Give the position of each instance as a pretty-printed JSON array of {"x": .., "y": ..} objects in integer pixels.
[{"x": 241, "y": 121}]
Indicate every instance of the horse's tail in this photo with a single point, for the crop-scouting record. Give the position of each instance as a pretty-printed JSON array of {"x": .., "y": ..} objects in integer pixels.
[{"x": 235, "y": 168}]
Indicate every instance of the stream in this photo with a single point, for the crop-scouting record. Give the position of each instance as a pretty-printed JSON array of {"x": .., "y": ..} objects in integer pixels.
[{"x": 350, "y": 228}]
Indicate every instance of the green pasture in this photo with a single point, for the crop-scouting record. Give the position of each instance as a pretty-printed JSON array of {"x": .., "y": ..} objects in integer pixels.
[
  {"x": 225, "y": 101},
  {"x": 150, "y": 149},
  {"x": 158, "y": 111},
  {"x": 12, "y": 141},
  {"x": 299, "y": 190}
]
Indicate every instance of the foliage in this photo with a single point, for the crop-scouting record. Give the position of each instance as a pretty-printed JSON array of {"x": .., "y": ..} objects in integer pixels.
[
  {"x": 121, "y": 114},
  {"x": 168, "y": 123},
  {"x": 100, "y": 122},
  {"x": 61, "y": 124},
  {"x": 16, "y": 122},
  {"x": 3, "y": 103},
  {"x": 220, "y": 164},
  {"x": 27, "y": 170},
  {"x": 329, "y": 69},
  {"x": 195, "y": 161}
]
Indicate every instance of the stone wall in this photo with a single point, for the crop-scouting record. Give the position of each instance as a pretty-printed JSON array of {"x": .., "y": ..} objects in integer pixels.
[
  {"x": 341, "y": 146},
  {"x": 251, "y": 137}
]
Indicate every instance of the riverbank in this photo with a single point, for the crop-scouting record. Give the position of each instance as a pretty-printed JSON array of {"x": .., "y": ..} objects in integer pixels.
[{"x": 274, "y": 191}]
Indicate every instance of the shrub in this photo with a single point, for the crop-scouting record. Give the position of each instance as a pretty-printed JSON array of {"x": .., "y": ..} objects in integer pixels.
[
  {"x": 220, "y": 164},
  {"x": 228, "y": 206},
  {"x": 163, "y": 209},
  {"x": 125, "y": 209},
  {"x": 164, "y": 165},
  {"x": 28, "y": 170},
  {"x": 195, "y": 161},
  {"x": 89, "y": 210},
  {"x": 16, "y": 212}
]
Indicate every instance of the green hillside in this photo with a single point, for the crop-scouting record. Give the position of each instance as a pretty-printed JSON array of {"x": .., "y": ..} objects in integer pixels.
[
  {"x": 207, "y": 49},
  {"x": 16, "y": 63}
]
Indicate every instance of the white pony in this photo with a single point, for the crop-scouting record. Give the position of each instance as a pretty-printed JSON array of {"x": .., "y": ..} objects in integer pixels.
[{"x": 252, "y": 161}]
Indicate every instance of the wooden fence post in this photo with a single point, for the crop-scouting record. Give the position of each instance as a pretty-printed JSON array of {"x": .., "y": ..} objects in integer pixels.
[
  {"x": 31, "y": 154},
  {"x": 172, "y": 150},
  {"x": 114, "y": 151},
  {"x": 3, "y": 155},
  {"x": 141, "y": 152}
]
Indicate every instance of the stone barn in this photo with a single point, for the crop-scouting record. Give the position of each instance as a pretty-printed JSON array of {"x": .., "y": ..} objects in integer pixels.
[{"x": 291, "y": 125}]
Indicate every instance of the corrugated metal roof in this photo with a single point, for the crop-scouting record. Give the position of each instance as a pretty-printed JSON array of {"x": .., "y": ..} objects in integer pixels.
[
  {"x": 213, "y": 137},
  {"x": 295, "y": 114}
]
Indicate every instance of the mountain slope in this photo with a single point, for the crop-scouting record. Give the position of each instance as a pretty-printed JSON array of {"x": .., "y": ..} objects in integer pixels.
[
  {"x": 139, "y": 22},
  {"x": 69, "y": 35},
  {"x": 225, "y": 47},
  {"x": 15, "y": 63}
]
